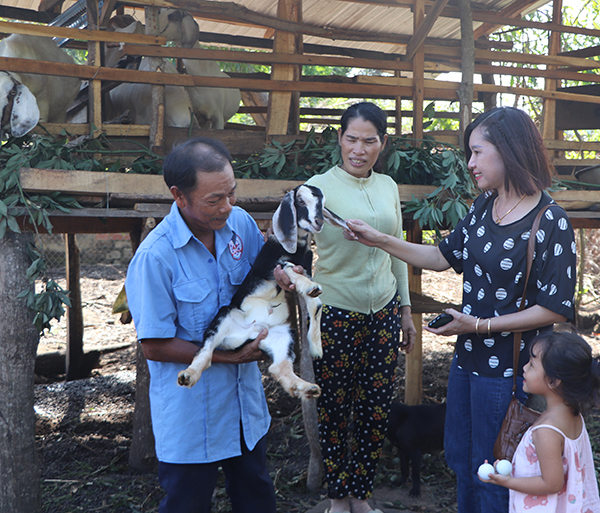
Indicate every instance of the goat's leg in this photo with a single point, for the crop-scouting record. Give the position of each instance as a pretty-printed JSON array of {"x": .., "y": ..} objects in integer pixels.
[
  {"x": 278, "y": 345},
  {"x": 315, "y": 309},
  {"x": 229, "y": 332},
  {"x": 303, "y": 284},
  {"x": 202, "y": 360}
]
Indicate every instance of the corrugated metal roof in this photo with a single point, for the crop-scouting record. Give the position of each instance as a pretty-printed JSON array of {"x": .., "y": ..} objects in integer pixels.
[{"x": 336, "y": 14}]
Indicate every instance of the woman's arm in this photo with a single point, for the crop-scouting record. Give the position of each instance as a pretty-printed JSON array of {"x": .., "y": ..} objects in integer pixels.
[
  {"x": 535, "y": 316},
  {"x": 418, "y": 255},
  {"x": 549, "y": 447}
]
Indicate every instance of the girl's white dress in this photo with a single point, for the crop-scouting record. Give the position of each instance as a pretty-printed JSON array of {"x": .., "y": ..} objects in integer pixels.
[{"x": 580, "y": 491}]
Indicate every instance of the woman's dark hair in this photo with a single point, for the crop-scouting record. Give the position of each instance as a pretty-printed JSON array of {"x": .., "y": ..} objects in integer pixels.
[
  {"x": 203, "y": 154},
  {"x": 566, "y": 357},
  {"x": 369, "y": 112},
  {"x": 521, "y": 147}
]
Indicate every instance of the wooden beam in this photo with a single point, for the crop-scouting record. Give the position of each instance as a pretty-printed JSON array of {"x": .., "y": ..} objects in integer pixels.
[
  {"x": 499, "y": 20},
  {"x": 424, "y": 28},
  {"x": 16, "y": 13},
  {"x": 521, "y": 58},
  {"x": 513, "y": 10},
  {"x": 267, "y": 58},
  {"x": 86, "y": 35}
]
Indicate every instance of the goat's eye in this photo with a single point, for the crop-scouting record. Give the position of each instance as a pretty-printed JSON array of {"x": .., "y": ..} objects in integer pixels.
[
  {"x": 13, "y": 92},
  {"x": 301, "y": 202}
]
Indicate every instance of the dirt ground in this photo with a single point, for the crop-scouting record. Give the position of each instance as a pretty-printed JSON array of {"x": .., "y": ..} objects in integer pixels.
[{"x": 84, "y": 427}]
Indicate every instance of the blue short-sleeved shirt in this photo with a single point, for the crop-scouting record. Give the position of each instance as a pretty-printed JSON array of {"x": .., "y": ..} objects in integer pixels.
[{"x": 175, "y": 287}]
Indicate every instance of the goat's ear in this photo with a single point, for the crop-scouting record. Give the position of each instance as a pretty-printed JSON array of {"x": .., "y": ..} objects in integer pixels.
[
  {"x": 333, "y": 219},
  {"x": 285, "y": 225},
  {"x": 25, "y": 112}
]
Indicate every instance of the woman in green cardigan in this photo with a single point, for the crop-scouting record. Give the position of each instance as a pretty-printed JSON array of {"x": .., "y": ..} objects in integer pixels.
[{"x": 366, "y": 307}]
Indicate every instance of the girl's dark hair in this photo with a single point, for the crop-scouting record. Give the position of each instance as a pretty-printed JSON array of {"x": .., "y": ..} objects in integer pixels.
[
  {"x": 521, "y": 147},
  {"x": 203, "y": 154},
  {"x": 369, "y": 112},
  {"x": 567, "y": 357}
]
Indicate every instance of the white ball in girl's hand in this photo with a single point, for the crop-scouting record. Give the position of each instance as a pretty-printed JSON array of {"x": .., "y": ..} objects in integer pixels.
[
  {"x": 485, "y": 470},
  {"x": 504, "y": 467}
]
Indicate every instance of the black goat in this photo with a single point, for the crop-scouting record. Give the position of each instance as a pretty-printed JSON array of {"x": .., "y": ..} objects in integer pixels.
[{"x": 416, "y": 430}]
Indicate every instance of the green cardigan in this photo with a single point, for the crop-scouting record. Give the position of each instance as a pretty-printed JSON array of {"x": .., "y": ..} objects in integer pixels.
[{"x": 353, "y": 276}]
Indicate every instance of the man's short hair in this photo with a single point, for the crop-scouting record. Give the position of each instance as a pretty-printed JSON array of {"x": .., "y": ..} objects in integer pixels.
[{"x": 186, "y": 160}]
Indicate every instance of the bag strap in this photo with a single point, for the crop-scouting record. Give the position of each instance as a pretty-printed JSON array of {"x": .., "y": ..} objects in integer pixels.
[{"x": 530, "y": 251}]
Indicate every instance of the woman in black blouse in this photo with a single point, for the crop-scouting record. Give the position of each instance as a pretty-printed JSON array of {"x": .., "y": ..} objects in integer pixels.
[{"x": 508, "y": 160}]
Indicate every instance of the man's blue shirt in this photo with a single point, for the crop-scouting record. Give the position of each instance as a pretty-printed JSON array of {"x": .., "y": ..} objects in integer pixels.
[{"x": 175, "y": 287}]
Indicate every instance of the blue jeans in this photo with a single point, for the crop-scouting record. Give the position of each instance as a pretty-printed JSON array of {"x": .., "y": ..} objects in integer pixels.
[{"x": 476, "y": 406}]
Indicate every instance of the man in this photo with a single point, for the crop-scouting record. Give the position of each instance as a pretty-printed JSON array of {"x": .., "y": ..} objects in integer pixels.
[{"x": 188, "y": 267}]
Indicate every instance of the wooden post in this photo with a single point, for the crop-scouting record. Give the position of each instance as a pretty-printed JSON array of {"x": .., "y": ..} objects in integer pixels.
[
  {"x": 418, "y": 62},
  {"x": 413, "y": 381},
  {"x": 278, "y": 114},
  {"x": 549, "y": 112},
  {"x": 467, "y": 66},
  {"x": 94, "y": 59},
  {"x": 157, "y": 127},
  {"x": 142, "y": 454},
  {"x": 74, "y": 356},
  {"x": 314, "y": 475},
  {"x": 398, "y": 104}
]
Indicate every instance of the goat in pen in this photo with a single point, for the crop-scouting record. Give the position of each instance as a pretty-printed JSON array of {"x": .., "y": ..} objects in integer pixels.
[{"x": 260, "y": 303}]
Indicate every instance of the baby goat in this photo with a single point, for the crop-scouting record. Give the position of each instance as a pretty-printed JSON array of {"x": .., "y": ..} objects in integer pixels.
[{"x": 260, "y": 303}]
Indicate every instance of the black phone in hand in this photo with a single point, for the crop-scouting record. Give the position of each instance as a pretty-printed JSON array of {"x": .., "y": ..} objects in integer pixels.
[{"x": 440, "y": 320}]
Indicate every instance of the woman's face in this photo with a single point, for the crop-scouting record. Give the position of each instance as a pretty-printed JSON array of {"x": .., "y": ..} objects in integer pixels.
[
  {"x": 485, "y": 163},
  {"x": 361, "y": 146}
]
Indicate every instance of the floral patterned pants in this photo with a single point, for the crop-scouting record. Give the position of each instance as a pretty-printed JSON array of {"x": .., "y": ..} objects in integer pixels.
[{"x": 356, "y": 376}]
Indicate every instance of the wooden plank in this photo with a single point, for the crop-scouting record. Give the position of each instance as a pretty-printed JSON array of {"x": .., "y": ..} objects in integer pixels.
[
  {"x": 424, "y": 28},
  {"x": 82, "y": 34},
  {"x": 264, "y": 57},
  {"x": 522, "y": 58},
  {"x": 572, "y": 145},
  {"x": 499, "y": 19}
]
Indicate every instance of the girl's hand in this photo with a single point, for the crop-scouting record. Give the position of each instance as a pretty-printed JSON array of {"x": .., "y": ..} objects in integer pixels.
[
  {"x": 498, "y": 479},
  {"x": 363, "y": 233},
  {"x": 462, "y": 323}
]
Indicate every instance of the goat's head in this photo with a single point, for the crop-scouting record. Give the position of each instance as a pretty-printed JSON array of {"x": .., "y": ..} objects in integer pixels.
[
  {"x": 301, "y": 208},
  {"x": 178, "y": 26},
  {"x": 19, "y": 110}
]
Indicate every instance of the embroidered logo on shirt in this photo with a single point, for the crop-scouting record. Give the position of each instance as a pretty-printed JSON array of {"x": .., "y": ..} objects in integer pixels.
[{"x": 236, "y": 246}]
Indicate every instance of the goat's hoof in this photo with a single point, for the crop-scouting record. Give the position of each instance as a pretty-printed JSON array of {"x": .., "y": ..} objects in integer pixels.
[
  {"x": 186, "y": 379},
  {"x": 312, "y": 392},
  {"x": 316, "y": 352},
  {"x": 316, "y": 291}
]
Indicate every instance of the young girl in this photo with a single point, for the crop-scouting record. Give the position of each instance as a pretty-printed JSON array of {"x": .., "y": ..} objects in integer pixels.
[{"x": 553, "y": 466}]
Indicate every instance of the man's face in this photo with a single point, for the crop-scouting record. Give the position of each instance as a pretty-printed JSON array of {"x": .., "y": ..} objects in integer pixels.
[{"x": 207, "y": 207}]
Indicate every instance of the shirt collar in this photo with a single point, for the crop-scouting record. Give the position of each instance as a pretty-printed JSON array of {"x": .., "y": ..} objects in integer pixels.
[
  {"x": 182, "y": 233},
  {"x": 346, "y": 177}
]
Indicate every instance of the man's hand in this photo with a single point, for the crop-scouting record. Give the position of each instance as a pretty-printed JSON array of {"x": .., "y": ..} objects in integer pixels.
[
  {"x": 283, "y": 280},
  {"x": 249, "y": 352}
]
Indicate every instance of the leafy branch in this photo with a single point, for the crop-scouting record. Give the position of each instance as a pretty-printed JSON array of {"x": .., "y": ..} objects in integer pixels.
[{"x": 47, "y": 152}]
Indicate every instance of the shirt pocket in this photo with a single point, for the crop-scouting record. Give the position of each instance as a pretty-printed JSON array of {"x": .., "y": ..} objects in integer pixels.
[
  {"x": 193, "y": 304},
  {"x": 235, "y": 277}
]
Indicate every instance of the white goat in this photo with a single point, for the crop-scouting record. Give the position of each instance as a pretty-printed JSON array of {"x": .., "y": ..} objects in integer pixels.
[
  {"x": 27, "y": 98},
  {"x": 212, "y": 106},
  {"x": 137, "y": 98}
]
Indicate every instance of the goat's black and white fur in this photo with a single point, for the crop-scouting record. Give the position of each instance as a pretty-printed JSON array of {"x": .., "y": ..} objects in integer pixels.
[{"x": 260, "y": 303}]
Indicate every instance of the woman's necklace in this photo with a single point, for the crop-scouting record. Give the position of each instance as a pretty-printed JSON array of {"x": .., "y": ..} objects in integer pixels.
[{"x": 499, "y": 218}]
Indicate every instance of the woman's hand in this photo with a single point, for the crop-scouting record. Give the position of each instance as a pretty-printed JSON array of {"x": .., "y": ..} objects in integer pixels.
[
  {"x": 461, "y": 323},
  {"x": 409, "y": 332},
  {"x": 363, "y": 233}
]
